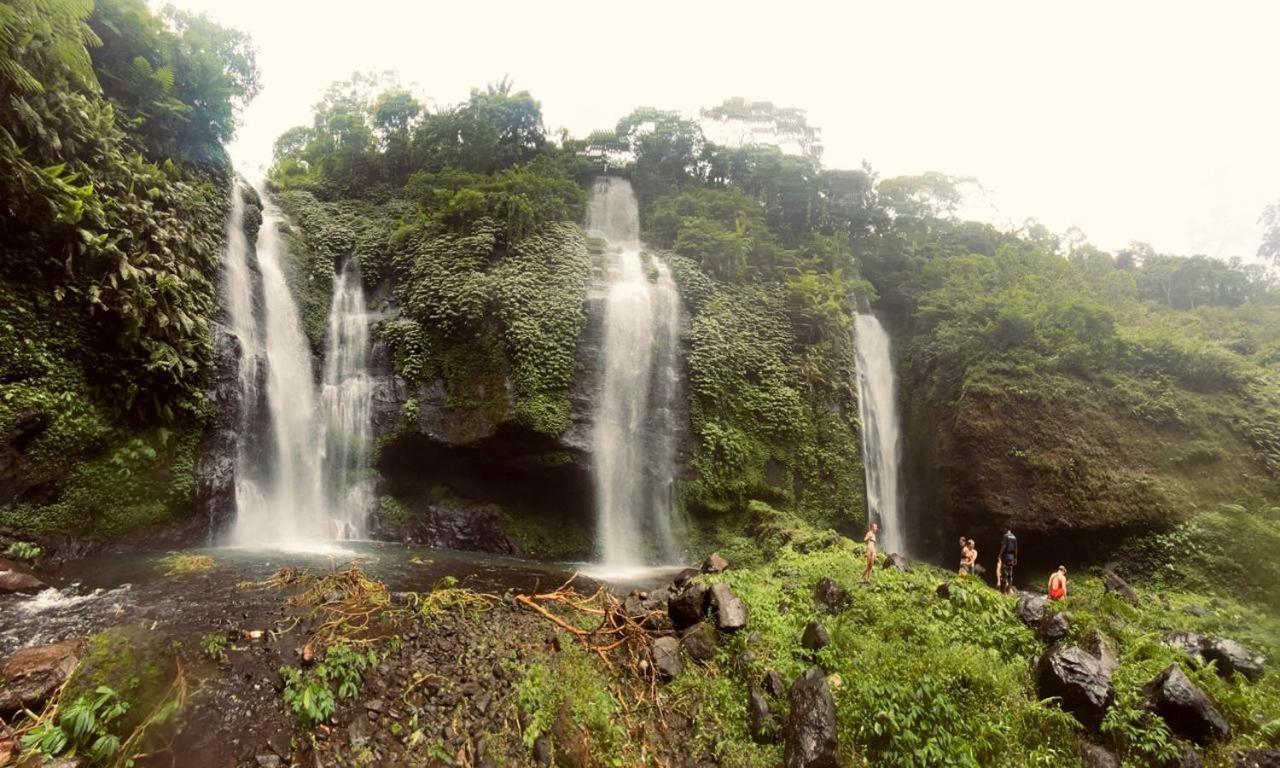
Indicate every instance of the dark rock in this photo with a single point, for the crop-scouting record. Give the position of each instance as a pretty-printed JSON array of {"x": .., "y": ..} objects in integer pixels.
[
  {"x": 1189, "y": 643},
  {"x": 1113, "y": 584},
  {"x": 699, "y": 641},
  {"x": 1095, "y": 756},
  {"x": 714, "y": 563},
  {"x": 1031, "y": 608},
  {"x": 1078, "y": 680},
  {"x": 454, "y": 523},
  {"x": 1187, "y": 710},
  {"x": 760, "y": 723},
  {"x": 17, "y": 581},
  {"x": 896, "y": 562},
  {"x": 811, "y": 726},
  {"x": 1189, "y": 758},
  {"x": 666, "y": 657},
  {"x": 815, "y": 636},
  {"x": 1257, "y": 758},
  {"x": 220, "y": 448},
  {"x": 1104, "y": 649},
  {"x": 773, "y": 684},
  {"x": 830, "y": 596},
  {"x": 31, "y": 675},
  {"x": 542, "y": 751},
  {"x": 731, "y": 612},
  {"x": 684, "y": 577},
  {"x": 1231, "y": 657},
  {"x": 944, "y": 590},
  {"x": 1054, "y": 627},
  {"x": 688, "y": 607}
]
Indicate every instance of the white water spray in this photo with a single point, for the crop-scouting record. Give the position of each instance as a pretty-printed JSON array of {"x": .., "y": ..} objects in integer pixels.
[
  {"x": 633, "y": 437},
  {"x": 881, "y": 443}
]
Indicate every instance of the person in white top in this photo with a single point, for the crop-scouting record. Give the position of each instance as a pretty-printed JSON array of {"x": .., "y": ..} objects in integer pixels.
[{"x": 870, "y": 540}]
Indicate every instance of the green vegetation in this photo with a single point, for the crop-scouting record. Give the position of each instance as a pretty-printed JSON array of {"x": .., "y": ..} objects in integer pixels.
[
  {"x": 184, "y": 563},
  {"x": 24, "y": 550},
  {"x": 565, "y": 697},
  {"x": 214, "y": 646},
  {"x": 81, "y": 728},
  {"x": 115, "y": 192},
  {"x": 922, "y": 680},
  {"x": 313, "y": 694}
]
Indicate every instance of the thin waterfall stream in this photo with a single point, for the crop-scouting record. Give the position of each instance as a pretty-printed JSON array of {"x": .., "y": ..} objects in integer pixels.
[
  {"x": 634, "y": 426},
  {"x": 307, "y": 483},
  {"x": 881, "y": 433}
]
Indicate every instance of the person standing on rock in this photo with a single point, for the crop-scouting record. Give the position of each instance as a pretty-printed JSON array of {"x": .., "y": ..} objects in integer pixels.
[
  {"x": 964, "y": 555},
  {"x": 870, "y": 541},
  {"x": 1007, "y": 560},
  {"x": 1058, "y": 583},
  {"x": 971, "y": 557}
]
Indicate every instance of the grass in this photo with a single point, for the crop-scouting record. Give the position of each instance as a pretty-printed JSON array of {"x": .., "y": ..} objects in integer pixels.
[{"x": 184, "y": 564}]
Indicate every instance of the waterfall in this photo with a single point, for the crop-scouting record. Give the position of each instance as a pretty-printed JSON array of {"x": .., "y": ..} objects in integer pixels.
[
  {"x": 300, "y": 473},
  {"x": 634, "y": 425},
  {"x": 346, "y": 399},
  {"x": 881, "y": 443}
]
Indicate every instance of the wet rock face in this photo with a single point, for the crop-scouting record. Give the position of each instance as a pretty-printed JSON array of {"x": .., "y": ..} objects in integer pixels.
[
  {"x": 220, "y": 447},
  {"x": 31, "y": 675},
  {"x": 1187, "y": 710},
  {"x": 1079, "y": 680},
  {"x": 19, "y": 481},
  {"x": 811, "y": 726},
  {"x": 457, "y": 524}
]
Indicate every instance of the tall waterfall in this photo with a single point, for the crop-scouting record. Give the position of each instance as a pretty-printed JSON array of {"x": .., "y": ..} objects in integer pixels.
[
  {"x": 346, "y": 399},
  {"x": 634, "y": 432},
  {"x": 881, "y": 444},
  {"x": 304, "y": 483}
]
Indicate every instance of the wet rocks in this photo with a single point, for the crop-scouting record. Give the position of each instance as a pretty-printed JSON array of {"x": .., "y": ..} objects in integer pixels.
[
  {"x": 815, "y": 637},
  {"x": 1054, "y": 627},
  {"x": 1187, "y": 710},
  {"x": 1257, "y": 758},
  {"x": 714, "y": 563},
  {"x": 731, "y": 612},
  {"x": 773, "y": 684},
  {"x": 688, "y": 607},
  {"x": 1031, "y": 608},
  {"x": 685, "y": 576},
  {"x": 830, "y": 596},
  {"x": 1104, "y": 648},
  {"x": 1230, "y": 657},
  {"x": 1187, "y": 642},
  {"x": 761, "y": 725},
  {"x": 1117, "y": 586},
  {"x": 699, "y": 642},
  {"x": 896, "y": 562},
  {"x": 1095, "y": 756},
  {"x": 666, "y": 657},
  {"x": 18, "y": 581},
  {"x": 31, "y": 675},
  {"x": 811, "y": 726},
  {"x": 1078, "y": 679}
]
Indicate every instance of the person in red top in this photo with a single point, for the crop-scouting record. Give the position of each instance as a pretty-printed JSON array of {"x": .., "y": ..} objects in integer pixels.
[{"x": 1058, "y": 583}]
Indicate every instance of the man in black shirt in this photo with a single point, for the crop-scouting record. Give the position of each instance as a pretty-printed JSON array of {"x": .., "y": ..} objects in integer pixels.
[{"x": 1007, "y": 560}]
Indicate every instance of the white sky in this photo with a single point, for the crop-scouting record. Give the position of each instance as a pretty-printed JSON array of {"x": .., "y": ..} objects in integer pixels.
[{"x": 1154, "y": 121}]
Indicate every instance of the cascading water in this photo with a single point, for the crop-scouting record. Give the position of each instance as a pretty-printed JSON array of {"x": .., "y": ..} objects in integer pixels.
[
  {"x": 881, "y": 445},
  {"x": 633, "y": 438},
  {"x": 346, "y": 400}
]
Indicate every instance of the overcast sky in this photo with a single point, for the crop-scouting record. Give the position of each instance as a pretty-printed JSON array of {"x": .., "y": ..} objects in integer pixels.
[{"x": 1130, "y": 120}]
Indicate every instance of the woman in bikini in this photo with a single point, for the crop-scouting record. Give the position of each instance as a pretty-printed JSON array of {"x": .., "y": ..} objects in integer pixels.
[
  {"x": 971, "y": 559},
  {"x": 1058, "y": 583},
  {"x": 870, "y": 541}
]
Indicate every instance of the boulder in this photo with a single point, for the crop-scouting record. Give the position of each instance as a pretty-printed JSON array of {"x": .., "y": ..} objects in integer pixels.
[
  {"x": 830, "y": 596},
  {"x": 1117, "y": 586},
  {"x": 1189, "y": 758},
  {"x": 1187, "y": 710},
  {"x": 896, "y": 562},
  {"x": 1231, "y": 657},
  {"x": 1187, "y": 642},
  {"x": 773, "y": 684},
  {"x": 1095, "y": 756},
  {"x": 1077, "y": 678},
  {"x": 684, "y": 577},
  {"x": 714, "y": 563},
  {"x": 31, "y": 675},
  {"x": 731, "y": 612},
  {"x": 815, "y": 636},
  {"x": 811, "y": 726},
  {"x": 1054, "y": 627},
  {"x": 1031, "y": 608},
  {"x": 1257, "y": 758},
  {"x": 1104, "y": 648},
  {"x": 17, "y": 581},
  {"x": 760, "y": 723},
  {"x": 944, "y": 590},
  {"x": 1199, "y": 611},
  {"x": 699, "y": 641},
  {"x": 666, "y": 657},
  {"x": 688, "y": 607}
]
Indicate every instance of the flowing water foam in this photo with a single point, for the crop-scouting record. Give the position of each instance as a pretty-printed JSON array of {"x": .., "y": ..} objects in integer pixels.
[
  {"x": 634, "y": 425},
  {"x": 881, "y": 442}
]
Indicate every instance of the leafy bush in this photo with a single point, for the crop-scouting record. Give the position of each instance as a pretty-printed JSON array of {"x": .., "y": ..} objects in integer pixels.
[
  {"x": 313, "y": 694},
  {"x": 24, "y": 550},
  {"x": 82, "y": 728}
]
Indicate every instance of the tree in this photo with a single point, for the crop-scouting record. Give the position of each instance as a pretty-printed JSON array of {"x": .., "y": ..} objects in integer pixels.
[{"x": 1269, "y": 249}]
